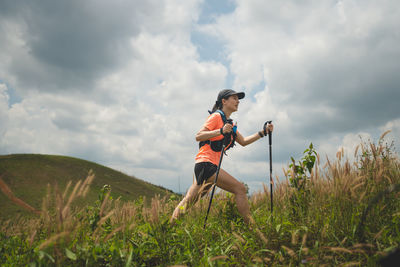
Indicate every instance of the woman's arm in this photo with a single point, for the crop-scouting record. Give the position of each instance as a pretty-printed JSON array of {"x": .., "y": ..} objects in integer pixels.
[
  {"x": 205, "y": 134},
  {"x": 244, "y": 141}
]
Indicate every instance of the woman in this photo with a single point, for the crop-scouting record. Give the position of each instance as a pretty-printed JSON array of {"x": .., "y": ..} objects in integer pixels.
[{"x": 211, "y": 136}]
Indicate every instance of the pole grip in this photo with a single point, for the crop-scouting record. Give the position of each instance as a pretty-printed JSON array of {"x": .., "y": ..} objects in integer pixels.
[{"x": 265, "y": 129}]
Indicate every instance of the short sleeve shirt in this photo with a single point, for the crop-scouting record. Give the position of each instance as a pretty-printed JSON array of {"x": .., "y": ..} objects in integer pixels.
[{"x": 206, "y": 154}]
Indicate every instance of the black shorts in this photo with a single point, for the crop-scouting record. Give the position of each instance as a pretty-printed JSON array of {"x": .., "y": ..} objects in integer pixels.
[{"x": 203, "y": 171}]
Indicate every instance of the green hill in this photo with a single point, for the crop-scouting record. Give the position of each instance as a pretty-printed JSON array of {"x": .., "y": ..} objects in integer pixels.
[{"x": 27, "y": 175}]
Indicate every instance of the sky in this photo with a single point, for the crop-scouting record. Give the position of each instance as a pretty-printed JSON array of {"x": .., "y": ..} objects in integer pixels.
[{"x": 128, "y": 83}]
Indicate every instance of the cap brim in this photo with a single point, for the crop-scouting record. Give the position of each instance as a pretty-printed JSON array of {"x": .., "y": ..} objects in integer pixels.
[{"x": 240, "y": 95}]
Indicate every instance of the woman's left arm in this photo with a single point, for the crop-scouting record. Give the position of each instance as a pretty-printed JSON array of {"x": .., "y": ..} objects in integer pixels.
[{"x": 244, "y": 141}]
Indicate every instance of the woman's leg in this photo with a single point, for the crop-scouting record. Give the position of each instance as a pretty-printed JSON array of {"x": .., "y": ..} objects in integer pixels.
[
  {"x": 230, "y": 184},
  {"x": 189, "y": 199}
]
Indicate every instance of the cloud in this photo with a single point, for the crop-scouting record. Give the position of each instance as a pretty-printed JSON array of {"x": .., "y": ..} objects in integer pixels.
[
  {"x": 324, "y": 72},
  {"x": 4, "y": 99},
  {"x": 394, "y": 135},
  {"x": 69, "y": 45},
  {"x": 329, "y": 65},
  {"x": 137, "y": 110}
]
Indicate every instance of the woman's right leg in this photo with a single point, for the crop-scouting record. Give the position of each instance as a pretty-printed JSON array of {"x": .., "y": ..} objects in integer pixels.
[
  {"x": 202, "y": 171},
  {"x": 189, "y": 198}
]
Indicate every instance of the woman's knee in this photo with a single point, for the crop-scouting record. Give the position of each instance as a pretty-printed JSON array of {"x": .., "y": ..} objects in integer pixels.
[{"x": 241, "y": 189}]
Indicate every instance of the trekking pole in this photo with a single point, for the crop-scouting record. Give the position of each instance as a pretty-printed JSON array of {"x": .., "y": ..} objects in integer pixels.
[
  {"x": 270, "y": 165},
  {"x": 216, "y": 178}
]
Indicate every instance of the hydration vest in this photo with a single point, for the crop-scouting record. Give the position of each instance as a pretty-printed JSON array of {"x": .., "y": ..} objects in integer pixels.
[{"x": 217, "y": 145}]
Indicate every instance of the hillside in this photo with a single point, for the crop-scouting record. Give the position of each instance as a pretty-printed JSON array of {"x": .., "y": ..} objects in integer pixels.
[{"x": 27, "y": 175}]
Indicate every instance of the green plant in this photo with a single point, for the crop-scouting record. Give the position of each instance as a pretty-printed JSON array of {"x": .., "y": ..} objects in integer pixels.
[
  {"x": 300, "y": 173},
  {"x": 299, "y": 177},
  {"x": 95, "y": 212}
]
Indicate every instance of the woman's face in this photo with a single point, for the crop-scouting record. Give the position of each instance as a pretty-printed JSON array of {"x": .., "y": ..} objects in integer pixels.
[{"x": 232, "y": 103}]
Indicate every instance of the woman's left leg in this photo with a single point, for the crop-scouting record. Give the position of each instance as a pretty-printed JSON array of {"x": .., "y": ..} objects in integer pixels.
[{"x": 230, "y": 184}]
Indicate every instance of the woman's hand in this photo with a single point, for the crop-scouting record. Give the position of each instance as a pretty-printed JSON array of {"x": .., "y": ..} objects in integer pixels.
[
  {"x": 205, "y": 134},
  {"x": 227, "y": 128},
  {"x": 270, "y": 127}
]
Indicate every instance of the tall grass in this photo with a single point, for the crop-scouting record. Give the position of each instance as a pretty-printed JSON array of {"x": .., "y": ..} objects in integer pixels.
[{"x": 344, "y": 213}]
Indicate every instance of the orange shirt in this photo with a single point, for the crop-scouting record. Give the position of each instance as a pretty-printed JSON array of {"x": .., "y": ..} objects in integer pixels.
[{"x": 206, "y": 154}]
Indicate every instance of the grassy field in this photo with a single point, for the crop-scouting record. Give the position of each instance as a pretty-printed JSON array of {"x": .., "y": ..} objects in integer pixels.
[
  {"x": 27, "y": 175},
  {"x": 341, "y": 214}
]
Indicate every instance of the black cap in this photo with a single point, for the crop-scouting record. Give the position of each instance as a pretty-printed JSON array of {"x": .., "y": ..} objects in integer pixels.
[{"x": 224, "y": 94}]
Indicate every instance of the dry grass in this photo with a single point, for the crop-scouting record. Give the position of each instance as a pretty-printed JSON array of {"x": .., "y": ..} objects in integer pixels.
[
  {"x": 7, "y": 191},
  {"x": 55, "y": 215}
]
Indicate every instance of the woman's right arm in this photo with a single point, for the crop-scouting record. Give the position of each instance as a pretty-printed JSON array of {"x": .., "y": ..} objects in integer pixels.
[{"x": 205, "y": 134}]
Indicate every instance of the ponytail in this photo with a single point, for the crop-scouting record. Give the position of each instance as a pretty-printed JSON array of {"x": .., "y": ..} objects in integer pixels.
[{"x": 217, "y": 105}]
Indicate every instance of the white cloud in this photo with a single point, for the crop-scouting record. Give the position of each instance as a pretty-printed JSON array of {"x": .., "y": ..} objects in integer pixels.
[
  {"x": 393, "y": 135},
  {"x": 322, "y": 63},
  {"x": 140, "y": 116},
  {"x": 4, "y": 98},
  {"x": 351, "y": 141},
  {"x": 313, "y": 51}
]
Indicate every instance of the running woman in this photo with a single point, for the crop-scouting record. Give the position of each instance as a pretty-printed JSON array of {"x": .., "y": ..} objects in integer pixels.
[{"x": 211, "y": 136}]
